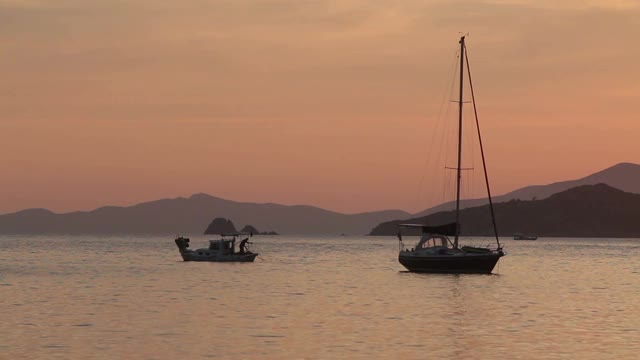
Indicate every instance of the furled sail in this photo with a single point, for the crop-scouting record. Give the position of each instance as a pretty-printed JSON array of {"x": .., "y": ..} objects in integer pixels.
[{"x": 446, "y": 229}]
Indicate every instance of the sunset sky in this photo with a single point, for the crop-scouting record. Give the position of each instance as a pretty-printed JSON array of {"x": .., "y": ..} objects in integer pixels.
[{"x": 332, "y": 103}]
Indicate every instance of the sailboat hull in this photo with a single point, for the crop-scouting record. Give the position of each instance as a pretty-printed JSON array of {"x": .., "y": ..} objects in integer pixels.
[{"x": 457, "y": 264}]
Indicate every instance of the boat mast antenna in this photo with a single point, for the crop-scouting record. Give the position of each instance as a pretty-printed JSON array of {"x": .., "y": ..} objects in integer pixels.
[
  {"x": 484, "y": 164},
  {"x": 459, "y": 167}
]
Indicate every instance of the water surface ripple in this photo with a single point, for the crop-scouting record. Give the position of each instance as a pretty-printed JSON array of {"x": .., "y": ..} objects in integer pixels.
[{"x": 83, "y": 297}]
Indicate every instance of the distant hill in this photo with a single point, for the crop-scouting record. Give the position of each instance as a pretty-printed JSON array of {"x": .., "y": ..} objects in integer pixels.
[
  {"x": 220, "y": 226},
  {"x": 623, "y": 176},
  {"x": 584, "y": 211},
  {"x": 250, "y": 229},
  {"x": 191, "y": 216}
]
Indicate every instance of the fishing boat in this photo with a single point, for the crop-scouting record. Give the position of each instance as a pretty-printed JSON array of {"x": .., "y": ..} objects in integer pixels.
[
  {"x": 520, "y": 236},
  {"x": 436, "y": 252},
  {"x": 219, "y": 250}
]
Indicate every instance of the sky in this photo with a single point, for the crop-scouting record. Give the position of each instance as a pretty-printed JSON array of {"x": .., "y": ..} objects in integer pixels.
[{"x": 332, "y": 103}]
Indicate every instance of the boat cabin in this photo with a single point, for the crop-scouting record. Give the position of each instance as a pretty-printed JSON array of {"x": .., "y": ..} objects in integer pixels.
[
  {"x": 431, "y": 236},
  {"x": 433, "y": 240},
  {"x": 226, "y": 246}
]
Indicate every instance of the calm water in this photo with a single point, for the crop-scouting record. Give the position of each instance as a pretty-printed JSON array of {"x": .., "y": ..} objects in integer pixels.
[{"x": 314, "y": 298}]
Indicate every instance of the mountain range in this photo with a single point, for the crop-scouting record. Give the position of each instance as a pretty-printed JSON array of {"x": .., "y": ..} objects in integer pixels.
[
  {"x": 623, "y": 176},
  {"x": 584, "y": 211},
  {"x": 192, "y": 215}
]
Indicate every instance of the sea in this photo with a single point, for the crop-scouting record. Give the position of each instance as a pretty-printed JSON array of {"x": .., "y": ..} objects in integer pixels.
[{"x": 314, "y": 297}]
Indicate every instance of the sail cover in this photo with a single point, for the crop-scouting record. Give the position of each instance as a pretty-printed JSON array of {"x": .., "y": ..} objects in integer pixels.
[{"x": 446, "y": 229}]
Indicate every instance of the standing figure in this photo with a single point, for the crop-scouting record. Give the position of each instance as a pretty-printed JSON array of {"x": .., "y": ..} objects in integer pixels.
[{"x": 243, "y": 245}]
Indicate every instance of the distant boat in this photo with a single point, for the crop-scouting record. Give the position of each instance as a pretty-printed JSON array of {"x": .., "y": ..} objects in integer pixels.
[
  {"x": 519, "y": 236},
  {"x": 436, "y": 253},
  {"x": 219, "y": 250}
]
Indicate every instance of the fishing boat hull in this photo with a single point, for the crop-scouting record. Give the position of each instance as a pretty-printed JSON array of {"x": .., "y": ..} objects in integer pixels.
[
  {"x": 464, "y": 263},
  {"x": 193, "y": 255}
]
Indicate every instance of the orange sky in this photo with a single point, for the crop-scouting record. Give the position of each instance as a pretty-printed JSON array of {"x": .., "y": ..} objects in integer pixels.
[{"x": 330, "y": 103}]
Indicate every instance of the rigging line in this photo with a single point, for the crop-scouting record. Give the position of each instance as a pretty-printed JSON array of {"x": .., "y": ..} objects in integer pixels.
[
  {"x": 470, "y": 158},
  {"x": 472, "y": 178},
  {"x": 466, "y": 192},
  {"x": 434, "y": 137},
  {"x": 484, "y": 165},
  {"x": 446, "y": 138},
  {"x": 443, "y": 124},
  {"x": 445, "y": 143}
]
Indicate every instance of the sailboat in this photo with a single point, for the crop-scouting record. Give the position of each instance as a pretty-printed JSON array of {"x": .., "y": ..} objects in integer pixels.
[{"x": 436, "y": 252}]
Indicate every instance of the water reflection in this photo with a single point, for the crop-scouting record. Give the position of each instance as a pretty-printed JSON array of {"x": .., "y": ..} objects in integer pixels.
[{"x": 314, "y": 298}]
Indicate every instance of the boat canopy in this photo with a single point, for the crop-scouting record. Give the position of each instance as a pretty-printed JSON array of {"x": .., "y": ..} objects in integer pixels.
[{"x": 446, "y": 229}]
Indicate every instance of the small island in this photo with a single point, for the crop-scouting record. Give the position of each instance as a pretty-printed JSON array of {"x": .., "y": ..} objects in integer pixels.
[
  {"x": 225, "y": 226},
  {"x": 252, "y": 230},
  {"x": 220, "y": 226}
]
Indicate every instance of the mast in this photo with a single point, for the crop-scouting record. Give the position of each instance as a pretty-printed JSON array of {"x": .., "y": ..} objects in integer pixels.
[{"x": 459, "y": 167}]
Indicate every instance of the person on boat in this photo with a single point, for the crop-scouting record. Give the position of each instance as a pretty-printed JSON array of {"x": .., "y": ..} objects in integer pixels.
[{"x": 243, "y": 245}]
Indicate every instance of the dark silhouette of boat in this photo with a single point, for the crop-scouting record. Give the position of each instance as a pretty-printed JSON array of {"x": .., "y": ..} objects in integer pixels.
[
  {"x": 520, "y": 236},
  {"x": 219, "y": 250},
  {"x": 435, "y": 252}
]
